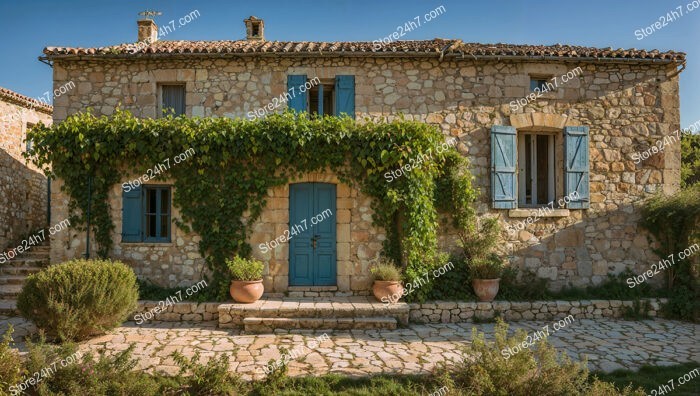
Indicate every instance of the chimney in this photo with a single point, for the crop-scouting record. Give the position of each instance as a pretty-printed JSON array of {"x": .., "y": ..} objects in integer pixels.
[
  {"x": 255, "y": 29},
  {"x": 148, "y": 30}
]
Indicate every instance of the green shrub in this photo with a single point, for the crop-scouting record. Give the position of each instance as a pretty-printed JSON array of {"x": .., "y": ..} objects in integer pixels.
[
  {"x": 212, "y": 378},
  {"x": 10, "y": 364},
  {"x": 385, "y": 270},
  {"x": 451, "y": 285},
  {"x": 491, "y": 369},
  {"x": 489, "y": 267},
  {"x": 529, "y": 287},
  {"x": 245, "y": 269},
  {"x": 79, "y": 298},
  {"x": 690, "y": 159}
]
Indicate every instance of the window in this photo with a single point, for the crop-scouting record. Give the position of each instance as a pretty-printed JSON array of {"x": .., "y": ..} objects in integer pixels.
[
  {"x": 172, "y": 99},
  {"x": 146, "y": 214},
  {"x": 535, "y": 169},
  {"x": 322, "y": 100},
  {"x": 29, "y": 143},
  {"x": 327, "y": 97},
  {"x": 540, "y": 84},
  {"x": 523, "y": 168}
]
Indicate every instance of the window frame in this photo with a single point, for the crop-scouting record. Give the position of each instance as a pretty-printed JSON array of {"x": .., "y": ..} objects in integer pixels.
[
  {"x": 521, "y": 155},
  {"x": 320, "y": 93},
  {"x": 158, "y": 213},
  {"x": 541, "y": 83},
  {"x": 161, "y": 105}
]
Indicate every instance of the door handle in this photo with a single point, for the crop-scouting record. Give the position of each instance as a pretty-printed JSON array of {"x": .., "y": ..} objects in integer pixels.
[{"x": 314, "y": 239}]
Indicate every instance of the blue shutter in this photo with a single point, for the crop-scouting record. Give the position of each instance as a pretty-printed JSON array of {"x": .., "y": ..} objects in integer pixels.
[
  {"x": 345, "y": 95},
  {"x": 577, "y": 166},
  {"x": 131, "y": 215},
  {"x": 297, "y": 98},
  {"x": 503, "y": 162}
]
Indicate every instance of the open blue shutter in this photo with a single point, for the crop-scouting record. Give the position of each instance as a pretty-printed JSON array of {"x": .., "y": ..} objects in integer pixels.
[
  {"x": 297, "y": 100},
  {"x": 345, "y": 95},
  {"x": 503, "y": 161},
  {"x": 577, "y": 166},
  {"x": 131, "y": 215}
]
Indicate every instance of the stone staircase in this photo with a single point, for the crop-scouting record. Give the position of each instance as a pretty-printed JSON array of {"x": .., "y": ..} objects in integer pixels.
[
  {"x": 13, "y": 273},
  {"x": 273, "y": 314}
]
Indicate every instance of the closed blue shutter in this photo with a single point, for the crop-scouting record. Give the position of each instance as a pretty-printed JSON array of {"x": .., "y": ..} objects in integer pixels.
[
  {"x": 503, "y": 160},
  {"x": 131, "y": 215},
  {"x": 297, "y": 98},
  {"x": 577, "y": 166},
  {"x": 345, "y": 95}
]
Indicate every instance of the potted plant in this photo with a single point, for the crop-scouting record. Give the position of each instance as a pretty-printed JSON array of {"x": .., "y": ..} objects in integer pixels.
[
  {"x": 387, "y": 286},
  {"x": 486, "y": 276},
  {"x": 246, "y": 285}
]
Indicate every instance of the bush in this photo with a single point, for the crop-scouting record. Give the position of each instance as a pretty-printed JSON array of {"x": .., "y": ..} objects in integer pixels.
[
  {"x": 212, "y": 378},
  {"x": 10, "y": 364},
  {"x": 451, "y": 285},
  {"x": 490, "y": 369},
  {"x": 245, "y": 269},
  {"x": 79, "y": 298},
  {"x": 386, "y": 271}
]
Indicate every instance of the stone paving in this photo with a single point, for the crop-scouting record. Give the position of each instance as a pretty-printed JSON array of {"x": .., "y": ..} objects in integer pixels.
[{"x": 609, "y": 345}]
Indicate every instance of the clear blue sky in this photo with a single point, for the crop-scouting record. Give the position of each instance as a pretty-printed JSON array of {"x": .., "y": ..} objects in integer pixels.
[{"x": 29, "y": 25}]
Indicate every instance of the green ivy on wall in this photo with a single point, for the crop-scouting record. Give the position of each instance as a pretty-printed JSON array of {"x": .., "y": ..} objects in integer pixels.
[{"x": 237, "y": 161}]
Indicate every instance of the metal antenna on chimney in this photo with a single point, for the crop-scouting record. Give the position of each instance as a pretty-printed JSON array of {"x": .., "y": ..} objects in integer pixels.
[{"x": 149, "y": 14}]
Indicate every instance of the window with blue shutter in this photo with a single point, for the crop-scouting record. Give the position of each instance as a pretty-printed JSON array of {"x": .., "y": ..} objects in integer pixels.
[
  {"x": 146, "y": 214},
  {"x": 297, "y": 100},
  {"x": 577, "y": 166},
  {"x": 345, "y": 95},
  {"x": 503, "y": 163}
]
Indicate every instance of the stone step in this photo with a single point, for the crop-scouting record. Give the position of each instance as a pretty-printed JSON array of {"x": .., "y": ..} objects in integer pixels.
[
  {"x": 8, "y": 307},
  {"x": 12, "y": 279},
  {"x": 268, "y": 325},
  {"x": 9, "y": 292},
  {"x": 11, "y": 270},
  {"x": 233, "y": 315}
]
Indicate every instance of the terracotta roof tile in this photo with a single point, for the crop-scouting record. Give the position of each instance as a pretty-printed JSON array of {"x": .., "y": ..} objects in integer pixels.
[
  {"x": 412, "y": 48},
  {"x": 25, "y": 101}
]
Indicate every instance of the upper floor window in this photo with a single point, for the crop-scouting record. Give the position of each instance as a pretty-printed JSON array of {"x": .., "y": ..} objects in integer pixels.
[
  {"x": 172, "y": 99},
  {"x": 540, "y": 84},
  {"x": 326, "y": 97},
  {"x": 29, "y": 143}
]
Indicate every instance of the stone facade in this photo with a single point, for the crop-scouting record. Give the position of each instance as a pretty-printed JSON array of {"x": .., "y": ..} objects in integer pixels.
[
  {"x": 627, "y": 105},
  {"x": 23, "y": 187}
]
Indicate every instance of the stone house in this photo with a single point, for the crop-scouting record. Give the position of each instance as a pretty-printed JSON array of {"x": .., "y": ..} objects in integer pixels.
[
  {"x": 23, "y": 187},
  {"x": 548, "y": 127}
]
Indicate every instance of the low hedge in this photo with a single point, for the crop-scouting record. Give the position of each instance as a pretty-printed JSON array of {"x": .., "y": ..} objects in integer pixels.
[{"x": 79, "y": 298}]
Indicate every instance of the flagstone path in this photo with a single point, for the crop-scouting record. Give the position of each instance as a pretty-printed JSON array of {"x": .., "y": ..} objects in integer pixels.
[{"x": 609, "y": 345}]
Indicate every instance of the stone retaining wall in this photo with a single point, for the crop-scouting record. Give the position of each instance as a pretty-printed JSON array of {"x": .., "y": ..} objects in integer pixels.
[
  {"x": 453, "y": 312},
  {"x": 431, "y": 311},
  {"x": 176, "y": 312}
]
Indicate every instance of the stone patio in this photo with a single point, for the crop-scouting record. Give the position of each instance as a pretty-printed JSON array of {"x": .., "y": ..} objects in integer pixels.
[{"x": 609, "y": 345}]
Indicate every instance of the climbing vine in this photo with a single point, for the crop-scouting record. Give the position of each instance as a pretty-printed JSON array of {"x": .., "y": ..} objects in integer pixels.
[{"x": 222, "y": 189}]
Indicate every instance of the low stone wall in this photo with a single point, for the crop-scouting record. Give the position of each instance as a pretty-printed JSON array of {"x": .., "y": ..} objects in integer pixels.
[
  {"x": 453, "y": 312},
  {"x": 175, "y": 312}
]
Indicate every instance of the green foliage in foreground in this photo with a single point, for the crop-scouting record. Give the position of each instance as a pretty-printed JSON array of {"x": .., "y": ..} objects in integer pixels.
[
  {"x": 235, "y": 162},
  {"x": 651, "y": 377},
  {"x": 538, "y": 370}
]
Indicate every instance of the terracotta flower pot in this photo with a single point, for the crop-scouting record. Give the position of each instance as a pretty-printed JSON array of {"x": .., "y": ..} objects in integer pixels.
[
  {"x": 486, "y": 289},
  {"x": 387, "y": 291},
  {"x": 246, "y": 291}
]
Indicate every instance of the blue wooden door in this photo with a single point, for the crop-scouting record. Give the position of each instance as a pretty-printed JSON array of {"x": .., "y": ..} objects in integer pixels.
[{"x": 312, "y": 251}]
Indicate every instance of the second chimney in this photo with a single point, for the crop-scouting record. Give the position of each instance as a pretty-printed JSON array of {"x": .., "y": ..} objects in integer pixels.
[{"x": 148, "y": 30}]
